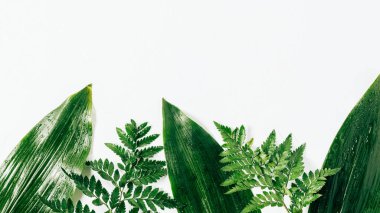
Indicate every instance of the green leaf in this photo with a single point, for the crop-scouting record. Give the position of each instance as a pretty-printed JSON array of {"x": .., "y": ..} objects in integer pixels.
[
  {"x": 295, "y": 164},
  {"x": 105, "y": 195},
  {"x": 137, "y": 191},
  {"x": 134, "y": 210},
  {"x": 356, "y": 150},
  {"x": 79, "y": 207},
  {"x": 269, "y": 167},
  {"x": 148, "y": 198},
  {"x": 123, "y": 180},
  {"x": 260, "y": 201},
  {"x": 269, "y": 146},
  {"x": 97, "y": 202},
  {"x": 149, "y": 164},
  {"x": 147, "y": 140},
  {"x": 148, "y": 176},
  {"x": 124, "y": 138},
  {"x": 121, "y": 208},
  {"x": 193, "y": 165},
  {"x": 115, "y": 195},
  {"x": 105, "y": 169},
  {"x": 141, "y": 133},
  {"x": 90, "y": 187},
  {"x": 118, "y": 150},
  {"x": 137, "y": 170},
  {"x": 61, "y": 139},
  {"x": 65, "y": 206},
  {"x": 150, "y": 151},
  {"x": 146, "y": 191},
  {"x": 70, "y": 206}
]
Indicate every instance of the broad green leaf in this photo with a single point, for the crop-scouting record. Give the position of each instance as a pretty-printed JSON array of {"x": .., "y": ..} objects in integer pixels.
[
  {"x": 194, "y": 170},
  {"x": 356, "y": 150},
  {"x": 62, "y": 139}
]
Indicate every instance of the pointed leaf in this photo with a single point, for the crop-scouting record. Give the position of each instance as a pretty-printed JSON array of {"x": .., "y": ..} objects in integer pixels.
[
  {"x": 193, "y": 166},
  {"x": 62, "y": 139},
  {"x": 356, "y": 150}
]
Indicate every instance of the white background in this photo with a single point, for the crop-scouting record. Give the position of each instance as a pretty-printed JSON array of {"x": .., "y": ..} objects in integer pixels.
[{"x": 295, "y": 66}]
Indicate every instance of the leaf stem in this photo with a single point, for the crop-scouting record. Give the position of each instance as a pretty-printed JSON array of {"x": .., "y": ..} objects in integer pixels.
[
  {"x": 283, "y": 203},
  {"x": 103, "y": 203}
]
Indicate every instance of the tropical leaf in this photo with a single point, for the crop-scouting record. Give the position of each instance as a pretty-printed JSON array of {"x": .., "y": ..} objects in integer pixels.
[
  {"x": 194, "y": 170},
  {"x": 355, "y": 149},
  {"x": 60, "y": 140}
]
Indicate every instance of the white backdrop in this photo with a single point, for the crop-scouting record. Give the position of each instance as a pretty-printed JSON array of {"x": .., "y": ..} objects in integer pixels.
[{"x": 295, "y": 66}]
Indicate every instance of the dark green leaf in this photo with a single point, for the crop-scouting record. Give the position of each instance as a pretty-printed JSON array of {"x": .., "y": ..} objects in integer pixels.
[
  {"x": 105, "y": 195},
  {"x": 124, "y": 138},
  {"x": 121, "y": 208},
  {"x": 137, "y": 191},
  {"x": 115, "y": 195},
  {"x": 134, "y": 210},
  {"x": 97, "y": 202},
  {"x": 78, "y": 208},
  {"x": 193, "y": 165},
  {"x": 147, "y": 140},
  {"x": 150, "y": 151},
  {"x": 70, "y": 206},
  {"x": 356, "y": 150}
]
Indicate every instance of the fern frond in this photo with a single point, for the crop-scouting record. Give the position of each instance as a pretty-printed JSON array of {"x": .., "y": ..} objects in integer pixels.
[
  {"x": 269, "y": 146},
  {"x": 131, "y": 130},
  {"x": 269, "y": 167},
  {"x": 147, "y": 140},
  {"x": 66, "y": 206},
  {"x": 121, "y": 208},
  {"x": 115, "y": 196},
  {"x": 143, "y": 132},
  {"x": 142, "y": 126},
  {"x": 281, "y": 156},
  {"x": 119, "y": 150},
  {"x": 105, "y": 169},
  {"x": 234, "y": 178},
  {"x": 226, "y": 132},
  {"x": 242, "y": 185},
  {"x": 144, "y": 177},
  {"x": 146, "y": 164},
  {"x": 149, "y": 152},
  {"x": 242, "y": 159},
  {"x": 305, "y": 190},
  {"x": 295, "y": 164},
  {"x": 89, "y": 186},
  {"x": 260, "y": 201},
  {"x": 125, "y": 139},
  {"x": 149, "y": 198},
  {"x": 129, "y": 177},
  {"x": 134, "y": 210},
  {"x": 241, "y": 135}
]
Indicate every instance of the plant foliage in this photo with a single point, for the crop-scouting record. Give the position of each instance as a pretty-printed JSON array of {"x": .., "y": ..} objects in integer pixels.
[
  {"x": 355, "y": 149},
  {"x": 276, "y": 169},
  {"x": 61, "y": 139},
  {"x": 129, "y": 177},
  {"x": 194, "y": 170}
]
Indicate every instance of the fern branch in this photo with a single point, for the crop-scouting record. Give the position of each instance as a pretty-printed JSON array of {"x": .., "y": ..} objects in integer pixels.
[
  {"x": 128, "y": 177},
  {"x": 66, "y": 206},
  {"x": 271, "y": 168},
  {"x": 90, "y": 187}
]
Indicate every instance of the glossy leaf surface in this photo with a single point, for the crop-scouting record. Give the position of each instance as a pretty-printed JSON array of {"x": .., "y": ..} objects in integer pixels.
[
  {"x": 62, "y": 139},
  {"x": 194, "y": 170},
  {"x": 355, "y": 149}
]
